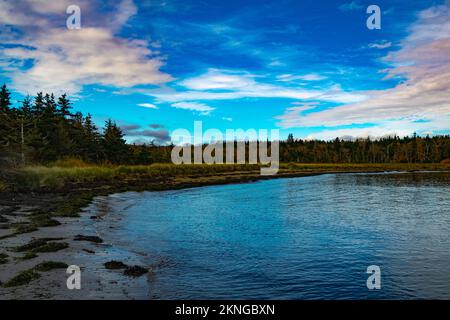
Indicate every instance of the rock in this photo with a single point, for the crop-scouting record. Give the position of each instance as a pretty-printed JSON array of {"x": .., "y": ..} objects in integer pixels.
[
  {"x": 50, "y": 265},
  {"x": 135, "y": 271},
  {"x": 112, "y": 265},
  {"x": 94, "y": 239}
]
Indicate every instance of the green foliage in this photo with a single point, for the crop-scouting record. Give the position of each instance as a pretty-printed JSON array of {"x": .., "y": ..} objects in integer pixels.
[
  {"x": 29, "y": 256},
  {"x": 41, "y": 245},
  {"x": 115, "y": 147},
  {"x": 22, "y": 278}
]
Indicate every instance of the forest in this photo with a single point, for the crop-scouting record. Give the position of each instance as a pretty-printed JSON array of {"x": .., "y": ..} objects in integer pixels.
[{"x": 44, "y": 129}]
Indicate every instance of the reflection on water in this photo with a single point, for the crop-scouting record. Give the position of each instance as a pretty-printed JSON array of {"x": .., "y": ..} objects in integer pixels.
[{"x": 300, "y": 238}]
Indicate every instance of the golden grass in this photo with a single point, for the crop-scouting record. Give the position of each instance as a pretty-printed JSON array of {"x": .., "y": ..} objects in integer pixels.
[
  {"x": 3, "y": 186},
  {"x": 58, "y": 176}
]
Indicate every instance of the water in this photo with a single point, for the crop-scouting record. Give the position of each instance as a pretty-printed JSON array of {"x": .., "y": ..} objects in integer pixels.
[{"x": 299, "y": 238}]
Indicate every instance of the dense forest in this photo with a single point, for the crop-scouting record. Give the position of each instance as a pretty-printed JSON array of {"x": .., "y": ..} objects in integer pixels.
[{"x": 43, "y": 129}]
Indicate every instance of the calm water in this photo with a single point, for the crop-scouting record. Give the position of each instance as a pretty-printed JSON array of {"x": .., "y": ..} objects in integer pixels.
[{"x": 300, "y": 238}]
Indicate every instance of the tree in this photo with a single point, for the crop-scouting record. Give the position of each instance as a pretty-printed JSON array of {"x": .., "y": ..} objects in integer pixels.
[
  {"x": 290, "y": 138},
  {"x": 114, "y": 144},
  {"x": 5, "y": 99},
  {"x": 93, "y": 149},
  {"x": 6, "y": 125},
  {"x": 64, "y": 106},
  {"x": 38, "y": 106}
]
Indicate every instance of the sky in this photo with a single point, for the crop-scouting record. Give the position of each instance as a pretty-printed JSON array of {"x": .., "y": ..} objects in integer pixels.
[{"x": 307, "y": 67}]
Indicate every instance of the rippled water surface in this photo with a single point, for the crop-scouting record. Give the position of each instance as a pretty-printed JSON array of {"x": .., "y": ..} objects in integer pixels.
[{"x": 299, "y": 238}]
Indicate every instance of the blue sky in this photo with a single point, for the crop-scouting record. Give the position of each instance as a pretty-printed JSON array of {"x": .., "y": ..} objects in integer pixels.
[{"x": 311, "y": 68}]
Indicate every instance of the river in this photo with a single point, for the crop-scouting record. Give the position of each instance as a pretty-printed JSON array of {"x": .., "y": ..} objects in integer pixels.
[{"x": 297, "y": 238}]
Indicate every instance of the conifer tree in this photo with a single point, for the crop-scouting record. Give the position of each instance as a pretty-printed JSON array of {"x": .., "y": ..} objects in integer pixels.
[
  {"x": 6, "y": 126},
  {"x": 114, "y": 145}
]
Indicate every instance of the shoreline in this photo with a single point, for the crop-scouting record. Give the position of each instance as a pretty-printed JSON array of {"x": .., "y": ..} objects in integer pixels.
[{"x": 99, "y": 283}]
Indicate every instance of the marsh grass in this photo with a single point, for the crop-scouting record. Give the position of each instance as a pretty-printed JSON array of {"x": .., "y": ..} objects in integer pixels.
[
  {"x": 26, "y": 276},
  {"x": 58, "y": 176},
  {"x": 36, "y": 177},
  {"x": 3, "y": 186},
  {"x": 22, "y": 278}
]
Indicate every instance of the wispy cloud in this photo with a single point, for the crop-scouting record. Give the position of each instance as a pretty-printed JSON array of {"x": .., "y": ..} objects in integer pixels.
[
  {"x": 423, "y": 62},
  {"x": 380, "y": 45},
  {"x": 194, "y": 106},
  {"x": 350, "y": 6},
  {"x": 305, "y": 77},
  {"x": 148, "y": 105},
  {"x": 228, "y": 85}
]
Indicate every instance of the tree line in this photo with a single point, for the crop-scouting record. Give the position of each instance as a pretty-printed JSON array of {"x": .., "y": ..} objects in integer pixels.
[{"x": 44, "y": 129}]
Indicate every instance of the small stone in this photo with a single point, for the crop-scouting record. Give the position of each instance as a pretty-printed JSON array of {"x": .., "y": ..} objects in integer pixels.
[
  {"x": 112, "y": 265},
  {"x": 94, "y": 239},
  {"x": 135, "y": 271}
]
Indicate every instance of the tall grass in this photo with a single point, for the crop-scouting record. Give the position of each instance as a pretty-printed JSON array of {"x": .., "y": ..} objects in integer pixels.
[
  {"x": 3, "y": 186},
  {"x": 57, "y": 176}
]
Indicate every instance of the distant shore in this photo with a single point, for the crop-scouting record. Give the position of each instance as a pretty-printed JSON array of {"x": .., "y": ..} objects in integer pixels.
[{"x": 40, "y": 219}]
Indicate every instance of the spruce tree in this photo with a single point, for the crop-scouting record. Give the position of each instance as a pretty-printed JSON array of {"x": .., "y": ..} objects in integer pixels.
[
  {"x": 114, "y": 144},
  {"x": 6, "y": 126},
  {"x": 5, "y": 99}
]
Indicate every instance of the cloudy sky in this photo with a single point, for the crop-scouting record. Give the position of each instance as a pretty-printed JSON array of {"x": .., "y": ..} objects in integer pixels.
[{"x": 307, "y": 67}]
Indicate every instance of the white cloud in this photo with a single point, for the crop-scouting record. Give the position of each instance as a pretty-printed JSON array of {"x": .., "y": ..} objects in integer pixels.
[
  {"x": 351, "y": 6},
  {"x": 380, "y": 45},
  {"x": 424, "y": 62},
  {"x": 125, "y": 10},
  {"x": 227, "y": 119},
  {"x": 65, "y": 60},
  {"x": 399, "y": 128},
  {"x": 215, "y": 79},
  {"x": 194, "y": 106},
  {"x": 227, "y": 85},
  {"x": 148, "y": 105},
  {"x": 306, "y": 77}
]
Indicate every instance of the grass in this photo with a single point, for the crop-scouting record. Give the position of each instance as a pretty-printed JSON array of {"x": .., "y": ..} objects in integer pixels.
[
  {"x": 43, "y": 220},
  {"x": 29, "y": 256},
  {"x": 22, "y": 278},
  {"x": 25, "y": 277},
  {"x": 56, "y": 177},
  {"x": 3, "y": 186},
  {"x": 71, "y": 208},
  {"x": 42, "y": 245},
  {"x": 51, "y": 247}
]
